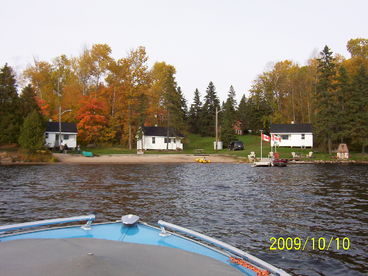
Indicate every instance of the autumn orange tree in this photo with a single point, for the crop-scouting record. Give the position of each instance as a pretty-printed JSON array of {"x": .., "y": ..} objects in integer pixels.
[{"x": 91, "y": 120}]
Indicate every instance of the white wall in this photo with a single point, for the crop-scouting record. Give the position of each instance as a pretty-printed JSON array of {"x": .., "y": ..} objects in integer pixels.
[
  {"x": 295, "y": 140},
  {"x": 159, "y": 143},
  {"x": 51, "y": 141}
]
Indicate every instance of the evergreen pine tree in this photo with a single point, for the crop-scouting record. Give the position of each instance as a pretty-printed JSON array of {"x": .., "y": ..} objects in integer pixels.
[
  {"x": 343, "y": 90},
  {"x": 358, "y": 109},
  {"x": 208, "y": 112},
  {"x": 9, "y": 107},
  {"x": 325, "y": 121},
  {"x": 229, "y": 107},
  {"x": 28, "y": 101},
  {"x": 228, "y": 118},
  {"x": 32, "y": 132},
  {"x": 183, "y": 105},
  {"x": 257, "y": 113},
  {"x": 174, "y": 103},
  {"x": 195, "y": 113},
  {"x": 242, "y": 114},
  {"x": 176, "y": 107}
]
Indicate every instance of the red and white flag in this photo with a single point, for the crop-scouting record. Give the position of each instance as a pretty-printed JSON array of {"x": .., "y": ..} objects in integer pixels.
[
  {"x": 266, "y": 138},
  {"x": 276, "y": 138}
]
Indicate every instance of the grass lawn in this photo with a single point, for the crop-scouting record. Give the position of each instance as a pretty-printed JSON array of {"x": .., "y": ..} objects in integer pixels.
[{"x": 251, "y": 142}]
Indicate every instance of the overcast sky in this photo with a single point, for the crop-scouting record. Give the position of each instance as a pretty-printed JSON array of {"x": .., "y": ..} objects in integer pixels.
[{"x": 227, "y": 42}]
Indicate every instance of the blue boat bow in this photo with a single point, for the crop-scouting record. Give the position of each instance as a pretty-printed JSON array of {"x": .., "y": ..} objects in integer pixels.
[{"x": 156, "y": 250}]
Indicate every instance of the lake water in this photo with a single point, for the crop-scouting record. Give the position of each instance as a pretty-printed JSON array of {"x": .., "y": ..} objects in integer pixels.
[{"x": 236, "y": 203}]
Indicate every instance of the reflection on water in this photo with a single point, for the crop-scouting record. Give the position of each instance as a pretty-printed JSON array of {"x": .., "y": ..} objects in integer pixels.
[{"x": 238, "y": 204}]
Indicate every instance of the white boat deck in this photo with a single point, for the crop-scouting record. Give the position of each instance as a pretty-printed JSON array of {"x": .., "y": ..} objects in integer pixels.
[{"x": 263, "y": 162}]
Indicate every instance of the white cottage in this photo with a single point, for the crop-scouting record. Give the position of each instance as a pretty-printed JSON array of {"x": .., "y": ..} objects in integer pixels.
[
  {"x": 68, "y": 134},
  {"x": 160, "y": 138},
  {"x": 293, "y": 135}
]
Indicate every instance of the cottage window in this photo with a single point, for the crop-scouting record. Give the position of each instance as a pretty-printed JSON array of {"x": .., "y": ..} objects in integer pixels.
[
  {"x": 285, "y": 137},
  {"x": 46, "y": 135},
  {"x": 174, "y": 141},
  {"x": 167, "y": 141},
  {"x": 303, "y": 136},
  {"x": 66, "y": 136},
  {"x": 153, "y": 140}
]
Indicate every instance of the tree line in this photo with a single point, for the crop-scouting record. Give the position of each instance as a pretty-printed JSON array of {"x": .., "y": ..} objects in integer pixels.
[
  {"x": 110, "y": 99},
  {"x": 331, "y": 92}
]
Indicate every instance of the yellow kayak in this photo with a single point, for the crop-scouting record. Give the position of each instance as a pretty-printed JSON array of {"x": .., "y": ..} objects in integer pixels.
[{"x": 202, "y": 160}]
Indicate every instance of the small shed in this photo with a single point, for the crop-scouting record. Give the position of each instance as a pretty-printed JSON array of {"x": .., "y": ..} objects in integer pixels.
[
  {"x": 68, "y": 132},
  {"x": 343, "y": 152}
]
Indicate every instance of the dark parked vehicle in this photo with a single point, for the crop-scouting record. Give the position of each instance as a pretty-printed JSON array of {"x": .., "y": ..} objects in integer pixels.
[{"x": 237, "y": 145}]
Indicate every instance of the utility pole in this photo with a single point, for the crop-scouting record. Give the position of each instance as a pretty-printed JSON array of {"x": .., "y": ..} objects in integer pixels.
[
  {"x": 59, "y": 94},
  {"x": 167, "y": 131},
  {"x": 60, "y": 113},
  {"x": 59, "y": 124},
  {"x": 217, "y": 112}
]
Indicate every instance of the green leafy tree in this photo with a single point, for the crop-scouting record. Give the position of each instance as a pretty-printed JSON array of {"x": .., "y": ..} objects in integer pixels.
[
  {"x": 208, "y": 112},
  {"x": 10, "y": 118},
  {"x": 358, "y": 47},
  {"x": 32, "y": 132}
]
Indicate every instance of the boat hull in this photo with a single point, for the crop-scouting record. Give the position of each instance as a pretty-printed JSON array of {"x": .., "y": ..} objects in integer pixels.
[{"x": 279, "y": 163}]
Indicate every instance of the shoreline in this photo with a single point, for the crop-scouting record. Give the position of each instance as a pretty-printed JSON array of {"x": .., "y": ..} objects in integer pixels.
[
  {"x": 141, "y": 158},
  {"x": 161, "y": 159}
]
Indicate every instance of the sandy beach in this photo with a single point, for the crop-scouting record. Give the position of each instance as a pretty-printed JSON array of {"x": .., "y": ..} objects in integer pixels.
[{"x": 141, "y": 158}]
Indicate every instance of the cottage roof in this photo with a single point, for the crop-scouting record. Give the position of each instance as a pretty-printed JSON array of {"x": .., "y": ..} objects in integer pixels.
[
  {"x": 65, "y": 127},
  {"x": 161, "y": 131},
  {"x": 290, "y": 128}
]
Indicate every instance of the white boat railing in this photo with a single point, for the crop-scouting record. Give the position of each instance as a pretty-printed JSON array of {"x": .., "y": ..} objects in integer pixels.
[
  {"x": 224, "y": 246},
  {"x": 87, "y": 226}
]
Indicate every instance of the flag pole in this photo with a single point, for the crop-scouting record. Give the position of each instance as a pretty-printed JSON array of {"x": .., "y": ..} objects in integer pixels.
[
  {"x": 261, "y": 142},
  {"x": 271, "y": 142},
  {"x": 275, "y": 146}
]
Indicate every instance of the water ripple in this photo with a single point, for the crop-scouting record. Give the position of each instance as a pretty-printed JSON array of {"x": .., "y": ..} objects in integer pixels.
[{"x": 241, "y": 205}]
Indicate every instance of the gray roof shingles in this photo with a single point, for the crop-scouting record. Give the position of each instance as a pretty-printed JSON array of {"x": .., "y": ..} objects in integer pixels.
[
  {"x": 290, "y": 128},
  {"x": 161, "y": 131},
  {"x": 65, "y": 127}
]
